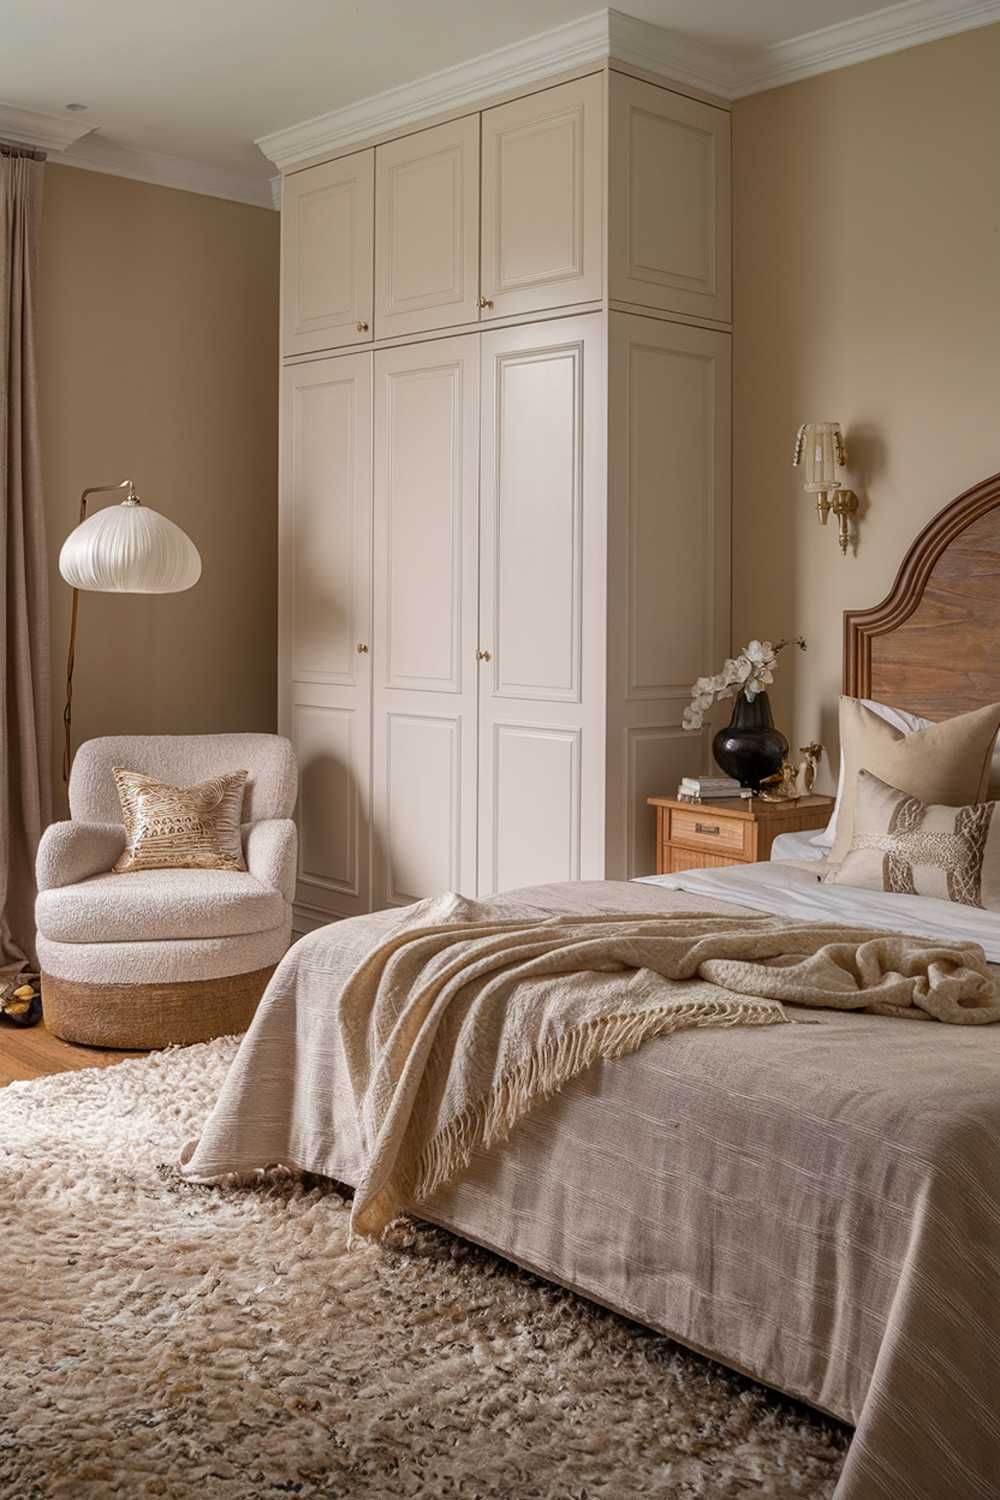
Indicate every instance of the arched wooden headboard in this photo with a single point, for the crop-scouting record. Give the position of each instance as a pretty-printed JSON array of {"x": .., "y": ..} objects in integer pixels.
[{"x": 933, "y": 645}]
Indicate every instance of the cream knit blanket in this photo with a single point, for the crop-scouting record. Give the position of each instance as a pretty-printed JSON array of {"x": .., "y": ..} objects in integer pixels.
[{"x": 464, "y": 1016}]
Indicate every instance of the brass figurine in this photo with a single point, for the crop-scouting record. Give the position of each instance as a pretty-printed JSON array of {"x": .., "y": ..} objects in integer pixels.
[
  {"x": 783, "y": 786},
  {"x": 807, "y": 767}
]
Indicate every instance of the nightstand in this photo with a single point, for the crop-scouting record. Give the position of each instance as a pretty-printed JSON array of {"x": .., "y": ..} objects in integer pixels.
[{"x": 732, "y": 831}]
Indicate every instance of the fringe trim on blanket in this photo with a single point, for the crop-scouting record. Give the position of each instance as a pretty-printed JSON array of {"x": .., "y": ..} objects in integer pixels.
[{"x": 544, "y": 1073}]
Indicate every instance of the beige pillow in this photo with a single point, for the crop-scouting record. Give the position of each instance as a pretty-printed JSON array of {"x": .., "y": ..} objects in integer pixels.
[
  {"x": 947, "y": 763},
  {"x": 901, "y": 844},
  {"x": 180, "y": 827}
]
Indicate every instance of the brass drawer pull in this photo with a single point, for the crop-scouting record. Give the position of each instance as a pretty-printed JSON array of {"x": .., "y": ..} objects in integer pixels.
[
  {"x": 361, "y": 326},
  {"x": 712, "y": 828},
  {"x": 485, "y": 302}
]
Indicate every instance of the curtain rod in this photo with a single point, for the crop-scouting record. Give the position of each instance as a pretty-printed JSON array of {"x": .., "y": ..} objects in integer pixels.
[{"x": 11, "y": 148}]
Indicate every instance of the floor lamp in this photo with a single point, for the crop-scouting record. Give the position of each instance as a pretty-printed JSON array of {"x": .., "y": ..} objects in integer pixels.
[{"x": 124, "y": 549}]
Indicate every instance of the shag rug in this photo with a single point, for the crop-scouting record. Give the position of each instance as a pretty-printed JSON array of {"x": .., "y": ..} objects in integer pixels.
[{"x": 164, "y": 1339}]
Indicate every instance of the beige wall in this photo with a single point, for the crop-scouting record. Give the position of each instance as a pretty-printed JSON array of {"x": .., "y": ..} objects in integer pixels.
[
  {"x": 158, "y": 361},
  {"x": 867, "y": 239}
]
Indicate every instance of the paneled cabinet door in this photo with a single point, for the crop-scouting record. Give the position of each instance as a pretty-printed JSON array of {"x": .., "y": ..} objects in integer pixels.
[
  {"x": 327, "y": 215},
  {"x": 325, "y": 626},
  {"x": 543, "y": 199},
  {"x": 670, "y": 191},
  {"x": 425, "y": 673},
  {"x": 427, "y": 229},
  {"x": 669, "y": 523},
  {"x": 542, "y": 604}
]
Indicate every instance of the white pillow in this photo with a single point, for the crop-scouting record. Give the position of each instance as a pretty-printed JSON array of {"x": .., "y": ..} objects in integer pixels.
[{"x": 899, "y": 719}]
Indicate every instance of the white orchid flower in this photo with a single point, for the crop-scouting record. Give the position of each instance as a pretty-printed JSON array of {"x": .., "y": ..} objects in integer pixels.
[{"x": 748, "y": 674}]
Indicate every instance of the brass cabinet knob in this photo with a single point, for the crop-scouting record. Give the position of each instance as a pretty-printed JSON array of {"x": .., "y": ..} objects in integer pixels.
[
  {"x": 361, "y": 327},
  {"x": 362, "y": 649},
  {"x": 485, "y": 302},
  {"x": 483, "y": 656}
]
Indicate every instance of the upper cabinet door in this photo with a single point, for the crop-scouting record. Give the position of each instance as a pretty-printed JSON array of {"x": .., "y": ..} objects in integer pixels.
[
  {"x": 427, "y": 229},
  {"x": 543, "y": 199},
  {"x": 670, "y": 210},
  {"x": 327, "y": 215}
]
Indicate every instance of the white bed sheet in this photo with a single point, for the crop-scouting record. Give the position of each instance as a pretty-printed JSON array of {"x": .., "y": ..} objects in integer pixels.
[
  {"x": 797, "y": 846},
  {"x": 790, "y": 889}
]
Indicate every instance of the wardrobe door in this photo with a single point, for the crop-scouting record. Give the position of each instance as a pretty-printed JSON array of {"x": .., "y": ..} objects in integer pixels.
[
  {"x": 669, "y": 565},
  {"x": 543, "y": 199},
  {"x": 425, "y": 677},
  {"x": 670, "y": 194},
  {"x": 327, "y": 215},
  {"x": 427, "y": 229},
  {"x": 542, "y": 604},
  {"x": 324, "y": 626}
]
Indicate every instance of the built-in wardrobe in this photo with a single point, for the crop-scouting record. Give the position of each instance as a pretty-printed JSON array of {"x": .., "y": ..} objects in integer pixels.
[{"x": 505, "y": 488}]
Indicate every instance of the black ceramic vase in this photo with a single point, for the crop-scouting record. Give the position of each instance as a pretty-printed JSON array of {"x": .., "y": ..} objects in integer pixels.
[{"x": 750, "y": 748}]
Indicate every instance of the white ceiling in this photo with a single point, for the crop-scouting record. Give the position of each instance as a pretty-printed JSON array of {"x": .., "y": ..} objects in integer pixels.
[{"x": 201, "y": 79}]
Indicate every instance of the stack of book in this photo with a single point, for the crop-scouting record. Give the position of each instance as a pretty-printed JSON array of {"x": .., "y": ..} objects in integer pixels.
[{"x": 709, "y": 788}]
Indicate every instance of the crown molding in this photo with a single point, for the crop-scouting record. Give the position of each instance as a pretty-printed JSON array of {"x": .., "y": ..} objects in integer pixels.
[
  {"x": 594, "y": 39},
  {"x": 893, "y": 29},
  {"x": 32, "y": 127},
  {"x": 97, "y": 154},
  {"x": 656, "y": 49},
  {"x": 603, "y": 36},
  {"x": 610, "y": 35}
]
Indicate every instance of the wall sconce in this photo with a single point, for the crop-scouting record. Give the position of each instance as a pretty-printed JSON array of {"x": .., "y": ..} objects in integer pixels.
[{"x": 821, "y": 448}]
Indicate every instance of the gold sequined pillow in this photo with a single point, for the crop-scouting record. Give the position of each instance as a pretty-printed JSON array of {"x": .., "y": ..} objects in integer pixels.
[
  {"x": 180, "y": 827},
  {"x": 919, "y": 849}
]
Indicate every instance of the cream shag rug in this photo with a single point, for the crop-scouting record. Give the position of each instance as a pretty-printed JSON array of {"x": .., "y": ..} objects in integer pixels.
[{"x": 162, "y": 1339}]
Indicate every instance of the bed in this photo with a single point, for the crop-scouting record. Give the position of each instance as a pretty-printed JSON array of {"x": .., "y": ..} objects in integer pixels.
[{"x": 816, "y": 1205}]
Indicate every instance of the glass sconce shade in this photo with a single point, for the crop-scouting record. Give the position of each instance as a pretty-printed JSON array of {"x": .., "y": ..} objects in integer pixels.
[{"x": 820, "y": 448}]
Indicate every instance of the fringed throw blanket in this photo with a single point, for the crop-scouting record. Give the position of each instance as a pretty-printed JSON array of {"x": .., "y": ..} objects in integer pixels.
[{"x": 463, "y": 1015}]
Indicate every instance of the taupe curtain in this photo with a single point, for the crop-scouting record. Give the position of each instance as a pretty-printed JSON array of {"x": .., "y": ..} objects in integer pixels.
[{"x": 25, "y": 725}]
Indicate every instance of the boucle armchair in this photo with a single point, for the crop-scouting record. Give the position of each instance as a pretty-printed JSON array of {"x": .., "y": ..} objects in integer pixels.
[{"x": 153, "y": 957}]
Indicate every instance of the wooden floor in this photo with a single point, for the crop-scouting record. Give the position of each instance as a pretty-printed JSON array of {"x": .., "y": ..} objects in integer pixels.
[{"x": 34, "y": 1052}]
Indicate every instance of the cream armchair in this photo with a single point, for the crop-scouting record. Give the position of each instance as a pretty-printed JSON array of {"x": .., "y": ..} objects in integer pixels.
[{"x": 159, "y": 956}]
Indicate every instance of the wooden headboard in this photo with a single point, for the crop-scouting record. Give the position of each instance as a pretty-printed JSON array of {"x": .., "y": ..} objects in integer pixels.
[{"x": 933, "y": 645}]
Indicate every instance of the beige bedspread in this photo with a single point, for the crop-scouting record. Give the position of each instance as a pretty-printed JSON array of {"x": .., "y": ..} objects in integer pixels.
[{"x": 821, "y": 1216}]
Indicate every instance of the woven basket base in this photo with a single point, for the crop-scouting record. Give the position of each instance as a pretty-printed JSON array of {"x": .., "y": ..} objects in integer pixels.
[{"x": 140, "y": 1016}]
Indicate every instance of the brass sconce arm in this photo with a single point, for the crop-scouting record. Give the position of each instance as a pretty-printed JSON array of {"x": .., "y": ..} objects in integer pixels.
[{"x": 844, "y": 504}]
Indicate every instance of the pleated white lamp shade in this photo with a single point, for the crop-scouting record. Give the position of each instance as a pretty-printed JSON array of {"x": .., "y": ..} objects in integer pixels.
[{"x": 129, "y": 549}]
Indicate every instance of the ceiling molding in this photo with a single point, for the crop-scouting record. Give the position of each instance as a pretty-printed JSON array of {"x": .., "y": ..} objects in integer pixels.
[
  {"x": 97, "y": 154},
  {"x": 32, "y": 127},
  {"x": 909, "y": 24},
  {"x": 708, "y": 69},
  {"x": 593, "y": 40},
  {"x": 611, "y": 35}
]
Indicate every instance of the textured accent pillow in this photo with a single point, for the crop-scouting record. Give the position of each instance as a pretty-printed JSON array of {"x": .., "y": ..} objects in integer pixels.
[
  {"x": 905, "y": 722},
  {"x": 904, "y": 845},
  {"x": 947, "y": 762},
  {"x": 180, "y": 827}
]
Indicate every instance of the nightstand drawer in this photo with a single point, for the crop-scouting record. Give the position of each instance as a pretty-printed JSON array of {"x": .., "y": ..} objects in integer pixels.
[{"x": 710, "y": 830}]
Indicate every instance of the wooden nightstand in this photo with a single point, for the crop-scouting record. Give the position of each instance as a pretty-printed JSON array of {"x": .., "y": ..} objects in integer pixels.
[{"x": 733, "y": 831}]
